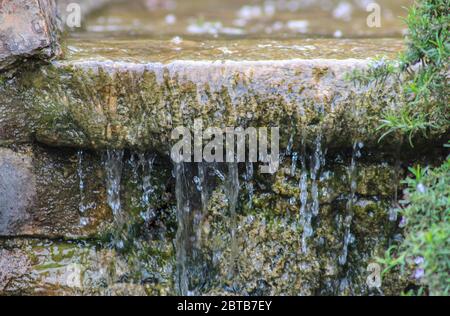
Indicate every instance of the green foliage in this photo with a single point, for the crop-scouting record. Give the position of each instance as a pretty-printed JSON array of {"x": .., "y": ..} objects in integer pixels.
[
  {"x": 423, "y": 70},
  {"x": 405, "y": 121},
  {"x": 425, "y": 251},
  {"x": 378, "y": 71}
]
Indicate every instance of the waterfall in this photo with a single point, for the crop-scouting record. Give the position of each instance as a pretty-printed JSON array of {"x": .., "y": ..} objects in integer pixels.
[
  {"x": 294, "y": 163},
  {"x": 82, "y": 207},
  {"x": 348, "y": 237},
  {"x": 202, "y": 185},
  {"x": 232, "y": 189},
  {"x": 113, "y": 167},
  {"x": 189, "y": 190},
  {"x": 309, "y": 208},
  {"x": 182, "y": 237},
  {"x": 248, "y": 177},
  {"x": 146, "y": 186},
  {"x": 393, "y": 210},
  {"x": 316, "y": 164},
  {"x": 80, "y": 173},
  {"x": 305, "y": 214}
]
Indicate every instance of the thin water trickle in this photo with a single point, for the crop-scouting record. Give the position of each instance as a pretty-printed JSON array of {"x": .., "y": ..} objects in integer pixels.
[
  {"x": 309, "y": 208},
  {"x": 182, "y": 242},
  {"x": 147, "y": 185},
  {"x": 305, "y": 214},
  {"x": 81, "y": 179},
  {"x": 232, "y": 189},
  {"x": 113, "y": 166},
  {"x": 191, "y": 193},
  {"x": 294, "y": 163},
  {"x": 352, "y": 175},
  {"x": 290, "y": 145},
  {"x": 316, "y": 164},
  {"x": 83, "y": 206},
  {"x": 393, "y": 211},
  {"x": 248, "y": 177}
]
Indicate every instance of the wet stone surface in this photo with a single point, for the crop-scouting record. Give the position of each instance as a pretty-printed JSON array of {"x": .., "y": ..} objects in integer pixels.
[
  {"x": 263, "y": 256},
  {"x": 124, "y": 96},
  {"x": 40, "y": 194},
  {"x": 105, "y": 212},
  {"x": 45, "y": 267}
]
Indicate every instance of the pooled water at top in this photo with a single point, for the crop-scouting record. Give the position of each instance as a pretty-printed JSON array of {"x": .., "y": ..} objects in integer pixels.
[
  {"x": 243, "y": 18},
  {"x": 168, "y": 30}
]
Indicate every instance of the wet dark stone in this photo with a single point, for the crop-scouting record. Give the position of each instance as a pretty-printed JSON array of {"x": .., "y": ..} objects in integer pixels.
[
  {"x": 17, "y": 191},
  {"x": 40, "y": 194}
]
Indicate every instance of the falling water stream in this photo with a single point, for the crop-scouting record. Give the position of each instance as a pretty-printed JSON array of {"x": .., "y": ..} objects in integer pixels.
[
  {"x": 305, "y": 213},
  {"x": 317, "y": 160},
  {"x": 248, "y": 177},
  {"x": 193, "y": 191},
  {"x": 83, "y": 207},
  {"x": 183, "y": 238},
  {"x": 309, "y": 208},
  {"x": 352, "y": 175},
  {"x": 113, "y": 166},
  {"x": 232, "y": 188}
]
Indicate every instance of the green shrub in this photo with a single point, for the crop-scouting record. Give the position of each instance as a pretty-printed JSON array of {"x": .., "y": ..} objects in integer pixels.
[
  {"x": 425, "y": 251},
  {"x": 424, "y": 108},
  {"x": 424, "y": 72}
]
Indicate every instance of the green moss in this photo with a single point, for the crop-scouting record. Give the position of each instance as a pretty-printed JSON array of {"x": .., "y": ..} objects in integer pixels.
[{"x": 49, "y": 266}]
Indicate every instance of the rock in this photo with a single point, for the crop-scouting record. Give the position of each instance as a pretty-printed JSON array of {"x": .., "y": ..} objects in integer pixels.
[
  {"x": 136, "y": 98},
  {"x": 14, "y": 120},
  {"x": 44, "y": 267},
  {"x": 28, "y": 28},
  {"x": 17, "y": 192},
  {"x": 40, "y": 194},
  {"x": 13, "y": 266}
]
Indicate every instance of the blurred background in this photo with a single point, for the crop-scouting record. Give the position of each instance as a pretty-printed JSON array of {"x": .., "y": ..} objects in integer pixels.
[{"x": 247, "y": 18}]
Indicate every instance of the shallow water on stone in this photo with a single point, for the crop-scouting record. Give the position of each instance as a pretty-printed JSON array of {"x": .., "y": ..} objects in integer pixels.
[
  {"x": 148, "y": 49},
  {"x": 163, "y": 31}
]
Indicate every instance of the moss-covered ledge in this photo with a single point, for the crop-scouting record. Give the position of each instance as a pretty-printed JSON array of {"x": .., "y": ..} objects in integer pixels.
[{"x": 135, "y": 101}]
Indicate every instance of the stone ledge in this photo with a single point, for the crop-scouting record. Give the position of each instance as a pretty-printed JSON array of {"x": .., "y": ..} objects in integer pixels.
[
  {"x": 45, "y": 267},
  {"x": 124, "y": 100}
]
